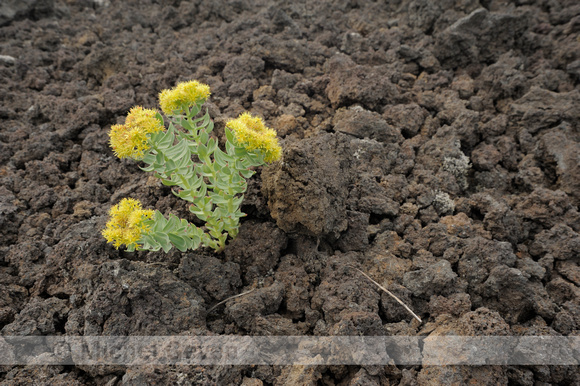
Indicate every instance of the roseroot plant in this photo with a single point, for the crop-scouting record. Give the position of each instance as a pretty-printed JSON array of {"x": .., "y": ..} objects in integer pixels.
[{"x": 186, "y": 157}]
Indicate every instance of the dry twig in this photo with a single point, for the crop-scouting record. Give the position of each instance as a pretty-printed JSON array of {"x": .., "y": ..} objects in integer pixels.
[
  {"x": 230, "y": 298},
  {"x": 390, "y": 294}
]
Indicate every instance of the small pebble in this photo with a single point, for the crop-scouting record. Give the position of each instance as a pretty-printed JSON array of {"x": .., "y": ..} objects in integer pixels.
[{"x": 8, "y": 60}]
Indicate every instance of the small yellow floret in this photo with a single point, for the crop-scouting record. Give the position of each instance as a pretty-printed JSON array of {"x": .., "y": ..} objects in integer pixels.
[
  {"x": 252, "y": 134},
  {"x": 130, "y": 140},
  {"x": 182, "y": 96},
  {"x": 126, "y": 223}
]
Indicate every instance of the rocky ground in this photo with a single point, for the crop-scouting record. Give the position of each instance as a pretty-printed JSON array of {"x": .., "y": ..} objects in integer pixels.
[{"x": 433, "y": 145}]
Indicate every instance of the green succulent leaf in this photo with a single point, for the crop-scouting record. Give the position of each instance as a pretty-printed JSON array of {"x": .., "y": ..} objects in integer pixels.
[
  {"x": 202, "y": 150},
  {"x": 178, "y": 241},
  {"x": 160, "y": 118},
  {"x": 167, "y": 140},
  {"x": 247, "y": 173},
  {"x": 211, "y": 145},
  {"x": 168, "y": 182},
  {"x": 203, "y": 137}
]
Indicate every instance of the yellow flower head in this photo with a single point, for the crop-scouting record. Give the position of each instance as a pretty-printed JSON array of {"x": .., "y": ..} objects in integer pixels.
[
  {"x": 130, "y": 140},
  {"x": 183, "y": 95},
  {"x": 252, "y": 134},
  {"x": 126, "y": 223}
]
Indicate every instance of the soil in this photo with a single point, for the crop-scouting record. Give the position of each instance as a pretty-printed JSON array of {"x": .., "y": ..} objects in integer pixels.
[{"x": 433, "y": 145}]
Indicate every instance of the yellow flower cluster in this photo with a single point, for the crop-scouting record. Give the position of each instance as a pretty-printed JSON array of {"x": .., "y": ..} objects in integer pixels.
[
  {"x": 126, "y": 223},
  {"x": 252, "y": 134},
  {"x": 130, "y": 140},
  {"x": 183, "y": 95}
]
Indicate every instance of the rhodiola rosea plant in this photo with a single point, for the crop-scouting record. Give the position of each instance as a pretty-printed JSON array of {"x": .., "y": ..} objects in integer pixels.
[{"x": 186, "y": 157}]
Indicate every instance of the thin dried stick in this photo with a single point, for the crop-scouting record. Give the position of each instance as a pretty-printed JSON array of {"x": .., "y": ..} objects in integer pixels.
[
  {"x": 391, "y": 294},
  {"x": 230, "y": 298}
]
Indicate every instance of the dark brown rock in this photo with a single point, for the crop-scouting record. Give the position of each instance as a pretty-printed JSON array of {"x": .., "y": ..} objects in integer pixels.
[
  {"x": 433, "y": 146},
  {"x": 258, "y": 248},
  {"x": 365, "y": 124},
  {"x": 350, "y": 84},
  {"x": 304, "y": 192},
  {"x": 485, "y": 156},
  {"x": 480, "y": 36}
]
